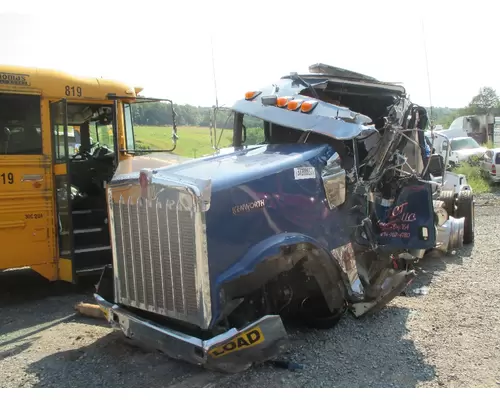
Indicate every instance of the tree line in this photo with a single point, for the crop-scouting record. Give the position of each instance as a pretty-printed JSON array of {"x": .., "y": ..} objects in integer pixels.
[
  {"x": 485, "y": 102},
  {"x": 160, "y": 114}
]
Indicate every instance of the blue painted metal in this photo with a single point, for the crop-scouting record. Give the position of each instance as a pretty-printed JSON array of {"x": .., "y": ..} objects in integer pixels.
[
  {"x": 295, "y": 211},
  {"x": 402, "y": 224}
]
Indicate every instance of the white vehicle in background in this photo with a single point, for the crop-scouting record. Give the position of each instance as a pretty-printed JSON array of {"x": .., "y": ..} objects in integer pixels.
[
  {"x": 479, "y": 127},
  {"x": 461, "y": 148},
  {"x": 490, "y": 166}
]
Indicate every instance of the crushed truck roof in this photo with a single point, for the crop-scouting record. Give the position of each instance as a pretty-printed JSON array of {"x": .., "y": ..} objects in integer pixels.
[{"x": 325, "y": 118}]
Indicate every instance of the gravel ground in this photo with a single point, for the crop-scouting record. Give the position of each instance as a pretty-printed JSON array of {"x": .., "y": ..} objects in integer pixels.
[{"x": 445, "y": 332}]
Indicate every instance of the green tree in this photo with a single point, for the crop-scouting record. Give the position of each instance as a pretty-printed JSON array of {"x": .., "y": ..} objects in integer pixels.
[{"x": 484, "y": 102}]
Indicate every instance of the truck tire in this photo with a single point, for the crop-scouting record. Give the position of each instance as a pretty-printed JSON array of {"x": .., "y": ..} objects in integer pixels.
[
  {"x": 318, "y": 316},
  {"x": 465, "y": 208},
  {"x": 448, "y": 197}
]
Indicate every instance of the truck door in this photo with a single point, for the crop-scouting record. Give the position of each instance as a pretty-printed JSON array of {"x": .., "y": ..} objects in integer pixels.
[
  {"x": 62, "y": 184},
  {"x": 26, "y": 224}
]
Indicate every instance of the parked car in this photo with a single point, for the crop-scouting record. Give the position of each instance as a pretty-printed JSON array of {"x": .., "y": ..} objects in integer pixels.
[
  {"x": 461, "y": 149},
  {"x": 491, "y": 164}
]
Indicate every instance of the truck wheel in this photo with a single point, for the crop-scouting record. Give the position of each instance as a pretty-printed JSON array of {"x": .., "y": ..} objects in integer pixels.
[
  {"x": 316, "y": 315},
  {"x": 448, "y": 197},
  {"x": 465, "y": 208}
]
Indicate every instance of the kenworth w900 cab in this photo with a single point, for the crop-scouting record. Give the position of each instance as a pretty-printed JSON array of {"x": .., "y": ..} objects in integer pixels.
[{"x": 328, "y": 211}]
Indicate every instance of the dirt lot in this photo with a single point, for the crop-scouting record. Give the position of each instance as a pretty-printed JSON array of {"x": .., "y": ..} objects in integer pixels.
[{"x": 445, "y": 332}]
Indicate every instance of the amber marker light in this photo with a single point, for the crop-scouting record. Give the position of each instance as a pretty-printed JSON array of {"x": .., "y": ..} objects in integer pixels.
[
  {"x": 308, "y": 106},
  {"x": 294, "y": 105},
  {"x": 251, "y": 95}
]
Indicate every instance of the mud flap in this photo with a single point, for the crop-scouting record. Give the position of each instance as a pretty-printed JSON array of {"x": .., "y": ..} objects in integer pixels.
[{"x": 397, "y": 284}]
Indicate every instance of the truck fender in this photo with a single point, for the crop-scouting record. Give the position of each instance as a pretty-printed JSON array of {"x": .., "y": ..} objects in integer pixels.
[{"x": 277, "y": 254}]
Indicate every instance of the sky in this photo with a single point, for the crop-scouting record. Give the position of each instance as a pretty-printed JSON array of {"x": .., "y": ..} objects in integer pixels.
[{"x": 166, "y": 46}]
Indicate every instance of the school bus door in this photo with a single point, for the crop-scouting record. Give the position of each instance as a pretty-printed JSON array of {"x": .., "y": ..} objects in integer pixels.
[
  {"x": 26, "y": 202},
  {"x": 62, "y": 185}
]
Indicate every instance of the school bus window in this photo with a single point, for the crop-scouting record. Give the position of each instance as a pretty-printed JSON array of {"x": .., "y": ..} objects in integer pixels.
[
  {"x": 129, "y": 126},
  {"x": 20, "y": 123},
  {"x": 89, "y": 127},
  {"x": 102, "y": 134}
]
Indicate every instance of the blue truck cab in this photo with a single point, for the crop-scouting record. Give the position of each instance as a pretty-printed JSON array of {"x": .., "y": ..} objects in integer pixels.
[{"x": 326, "y": 212}]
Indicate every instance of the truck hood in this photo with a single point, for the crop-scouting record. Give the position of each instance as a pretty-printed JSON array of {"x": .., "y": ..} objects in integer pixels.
[
  {"x": 134, "y": 164},
  {"x": 233, "y": 166}
]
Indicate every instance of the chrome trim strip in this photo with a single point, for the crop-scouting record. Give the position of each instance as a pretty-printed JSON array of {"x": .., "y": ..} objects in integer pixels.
[
  {"x": 120, "y": 208},
  {"x": 170, "y": 258},
  {"x": 81, "y": 212},
  {"x": 132, "y": 260},
  {"x": 153, "y": 286},
  {"x": 141, "y": 252},
  {"x": 112, "y": 233},
  {"x": 31, "y": 178},
  {"x": 89, "y": 230},
  {"x": 160, "y": 255},
  {"x": 181, "y": 269},
  {"x": 100, "y": 248}
]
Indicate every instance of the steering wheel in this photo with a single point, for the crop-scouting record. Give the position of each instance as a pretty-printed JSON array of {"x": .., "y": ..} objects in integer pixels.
[
  {"x": 82, "y": 155},
  {"x": 85, "y": 154}
]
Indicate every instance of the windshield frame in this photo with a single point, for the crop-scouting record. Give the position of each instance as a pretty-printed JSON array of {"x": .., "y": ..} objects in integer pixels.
[{"x": 130, "y": 122}]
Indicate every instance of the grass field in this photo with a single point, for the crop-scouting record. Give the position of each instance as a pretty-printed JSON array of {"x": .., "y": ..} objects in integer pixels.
[
  {"x": 194, "y": 141},
  {"x": 475, "y": 179}
]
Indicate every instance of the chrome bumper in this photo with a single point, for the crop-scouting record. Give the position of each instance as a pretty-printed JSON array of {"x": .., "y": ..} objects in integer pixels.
[{"x": 232, "y": 351}]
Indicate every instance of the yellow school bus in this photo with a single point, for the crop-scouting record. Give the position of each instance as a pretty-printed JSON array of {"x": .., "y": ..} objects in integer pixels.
[{"x": 61, "y": 139}]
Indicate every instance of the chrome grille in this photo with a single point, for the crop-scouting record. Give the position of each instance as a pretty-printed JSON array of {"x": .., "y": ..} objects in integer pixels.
[{"x": 157, "y": 257}]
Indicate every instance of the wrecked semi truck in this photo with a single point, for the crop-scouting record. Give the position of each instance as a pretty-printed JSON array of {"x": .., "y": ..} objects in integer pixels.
[{"x": 329, "y": 213}]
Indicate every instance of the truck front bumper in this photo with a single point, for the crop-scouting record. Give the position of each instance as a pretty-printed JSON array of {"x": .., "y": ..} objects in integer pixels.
[{"x": 231, "y": 351}]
